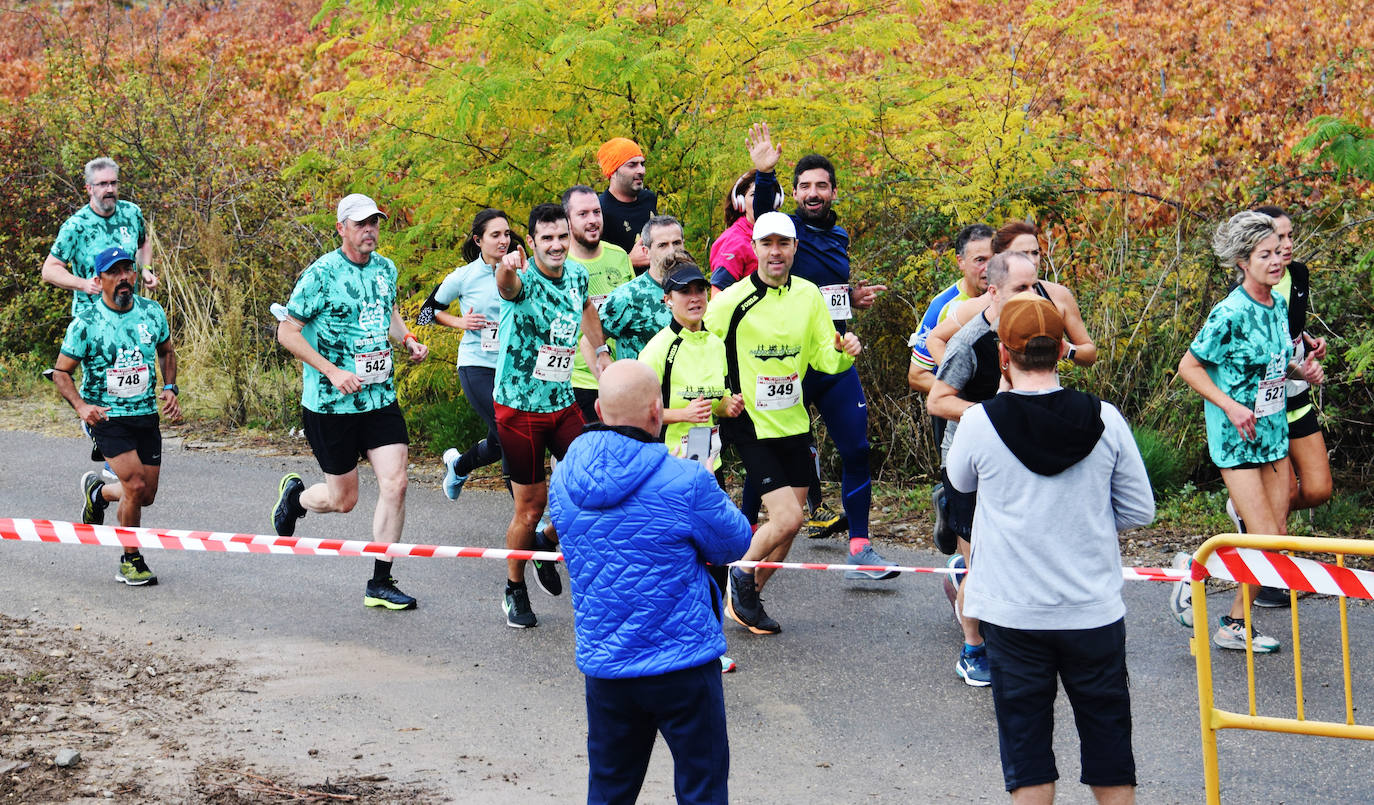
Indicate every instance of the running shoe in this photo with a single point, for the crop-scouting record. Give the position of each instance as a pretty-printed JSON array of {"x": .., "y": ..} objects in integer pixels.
[
  {"x": 453, "y": 482},
  {"x": 107, "y": 474},
  {"x": 951, "y": 584},
  {"x": 868, "y": 556},
  {"x": 546, "y": 571},
  {"x": 746, "y": 608},
  {"x": 92, "y": 513},
  {"x": 385, "y": 594},
  {"x": 824, "y": 522},
  {"x": 1181, "y": 596},
  {"x": 944, "y": 538},
  {"x": 134, "y": 572},
  {"x": 546, "y": 576},
  {"x": 288, "y": 509},
  {"x": 1231, "y": 635},
  {"x": 727, "y": 665},
  {"x": 1235, "y": 516},
  {"x": 973, "y": 666},
  {"x": 517, "y": 608},
  {"x": 1272, "y": 598}
]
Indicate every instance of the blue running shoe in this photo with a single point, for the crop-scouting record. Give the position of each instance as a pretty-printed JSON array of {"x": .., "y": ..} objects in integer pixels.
[
  {"x": 453, "y": 482},
  {"x": 973, "y": 666},
  {"x": 868, "y": 556}
]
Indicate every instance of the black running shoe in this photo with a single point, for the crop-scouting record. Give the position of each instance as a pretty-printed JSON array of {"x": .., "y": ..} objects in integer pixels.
[
  {"x": 385, "y": 594},
  {"x": 945, "y": 539},
  {"x": 96, "y": 455},
  {"x": 546, "y": 571},
  {"x": 288, "y": 509},
  {"x": 517, "y": 608},
  {"x": 92, "y": 513},
  {"x": 744, "y": 606},
  {"x": 1272, "y": 597}
]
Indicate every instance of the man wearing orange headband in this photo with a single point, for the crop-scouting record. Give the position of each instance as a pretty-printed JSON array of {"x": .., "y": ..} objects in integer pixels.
[{"x": 625, "y": 203}]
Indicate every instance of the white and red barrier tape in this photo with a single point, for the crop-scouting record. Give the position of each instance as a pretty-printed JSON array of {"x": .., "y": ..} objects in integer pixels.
[
  {"x": 1233, "y": 564},
  {"x": 1252, "y": 566},
  {"x": 56, "y": 531}
]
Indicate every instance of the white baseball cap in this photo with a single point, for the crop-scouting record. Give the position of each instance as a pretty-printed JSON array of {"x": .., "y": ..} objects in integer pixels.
[
  {"x": 774, "y": 223},
  {"x": 357, "y": 207}
]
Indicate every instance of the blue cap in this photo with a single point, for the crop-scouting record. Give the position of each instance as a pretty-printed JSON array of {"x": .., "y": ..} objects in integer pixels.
[{"x": 110, "y": 258}]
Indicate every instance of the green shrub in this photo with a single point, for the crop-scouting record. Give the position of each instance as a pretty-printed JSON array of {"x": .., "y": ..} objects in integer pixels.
[{"x": 1166, "y": 463}]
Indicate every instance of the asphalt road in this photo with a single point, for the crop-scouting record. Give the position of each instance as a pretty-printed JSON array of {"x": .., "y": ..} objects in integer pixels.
[{"x": 856, "y": 701}]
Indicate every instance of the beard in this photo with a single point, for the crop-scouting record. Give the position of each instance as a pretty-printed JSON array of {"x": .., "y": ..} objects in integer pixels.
[
  {"x": 821, "y": 217},
  {"x": 588, "y": 243},
  {"x": 124, "y": 295},
  {"x": 108, "y": 203}
]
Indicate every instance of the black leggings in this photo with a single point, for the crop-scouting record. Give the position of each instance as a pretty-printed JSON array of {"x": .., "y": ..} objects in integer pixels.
[{"x": 477, "y": 383}]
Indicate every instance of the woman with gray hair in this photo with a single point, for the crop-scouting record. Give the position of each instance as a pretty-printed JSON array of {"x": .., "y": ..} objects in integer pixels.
[{"x": 1239, "y": 362}]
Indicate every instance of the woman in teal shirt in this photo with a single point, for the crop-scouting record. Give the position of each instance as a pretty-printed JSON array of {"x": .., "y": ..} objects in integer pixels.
[{"x": 1239, "y": 363}]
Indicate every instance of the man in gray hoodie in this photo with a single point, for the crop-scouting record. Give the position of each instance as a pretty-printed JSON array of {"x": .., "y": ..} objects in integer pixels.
[{"x": 1058, "y": 475}]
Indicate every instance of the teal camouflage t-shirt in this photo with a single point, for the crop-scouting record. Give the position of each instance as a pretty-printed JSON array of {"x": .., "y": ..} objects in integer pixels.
[
  {"x": 118, "y": 354},
  {"x": 539, "y": 332},
  {"x": 1245, "y": 348},
  {"x": 346, "y": 309},
  {"x": 633, "y": 314},
  {"x": 87, "y": 233}
]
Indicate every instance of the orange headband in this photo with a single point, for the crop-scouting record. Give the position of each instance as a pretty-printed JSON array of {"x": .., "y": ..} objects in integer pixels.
[{"x": 616, "y": 152}]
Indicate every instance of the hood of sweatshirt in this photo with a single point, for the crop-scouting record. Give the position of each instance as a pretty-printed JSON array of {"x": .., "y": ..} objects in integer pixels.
[{"x": 1048, "y": 433}]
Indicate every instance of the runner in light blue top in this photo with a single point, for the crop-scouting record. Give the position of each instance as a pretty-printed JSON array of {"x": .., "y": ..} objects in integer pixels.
[{"x": 473, "y": 288}]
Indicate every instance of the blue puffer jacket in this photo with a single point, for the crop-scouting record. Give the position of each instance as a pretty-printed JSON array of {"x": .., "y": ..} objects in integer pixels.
[{"x": 636, "y": 526}]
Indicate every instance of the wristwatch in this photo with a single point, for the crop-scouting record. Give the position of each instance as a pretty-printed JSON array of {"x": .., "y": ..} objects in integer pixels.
[
  {"x": 1073, "y": 350},
  {"x": 603, "y": 350},
  {"x": 172, "y": 387}
]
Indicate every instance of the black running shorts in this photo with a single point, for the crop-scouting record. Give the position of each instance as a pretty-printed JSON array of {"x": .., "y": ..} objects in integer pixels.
[
  {"x": 776, "y": 463},
  {"x": 339, "y": 440},
  {"x": 118, "y": 435}
]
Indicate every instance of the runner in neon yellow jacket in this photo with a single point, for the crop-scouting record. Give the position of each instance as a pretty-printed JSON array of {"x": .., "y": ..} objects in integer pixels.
[
  {"x": 773, "y": 335},
  {"x": 690, "y": 363},
  {"x": 776, "y": 328}
]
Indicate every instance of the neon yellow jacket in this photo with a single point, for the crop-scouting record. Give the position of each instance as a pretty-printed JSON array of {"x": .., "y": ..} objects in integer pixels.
[
  {"x": 776, "y": 333},
  {"x": 689, "y": 365}
]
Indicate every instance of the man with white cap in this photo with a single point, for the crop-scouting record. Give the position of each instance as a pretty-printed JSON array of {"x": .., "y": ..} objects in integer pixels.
[
  {"x": 339, "y": 319},
  {"x": 823, "y": 258},
  {"x": 776, "y": 328}
]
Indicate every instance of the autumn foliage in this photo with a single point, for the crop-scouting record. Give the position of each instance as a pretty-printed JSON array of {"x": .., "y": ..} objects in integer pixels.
[{"x": 1126, "y": 130}]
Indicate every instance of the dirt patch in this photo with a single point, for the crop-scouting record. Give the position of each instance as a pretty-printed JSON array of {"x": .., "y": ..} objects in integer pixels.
[{"x": 132, "y": 715}]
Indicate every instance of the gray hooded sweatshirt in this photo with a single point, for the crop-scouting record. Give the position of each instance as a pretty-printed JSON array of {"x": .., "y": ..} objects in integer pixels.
[{"x": 1058, "y": 475}]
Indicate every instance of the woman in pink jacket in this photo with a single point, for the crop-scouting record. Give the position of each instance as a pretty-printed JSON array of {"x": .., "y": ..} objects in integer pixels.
[{"x": 732, "y": 254}]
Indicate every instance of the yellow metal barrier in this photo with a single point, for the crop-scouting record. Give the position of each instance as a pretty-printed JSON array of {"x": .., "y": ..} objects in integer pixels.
[{"x": 1214, "y": 719}]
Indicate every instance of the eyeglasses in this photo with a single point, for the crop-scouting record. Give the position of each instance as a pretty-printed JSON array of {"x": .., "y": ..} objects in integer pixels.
[{"x": 102, "y": 185}]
